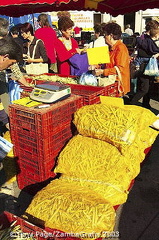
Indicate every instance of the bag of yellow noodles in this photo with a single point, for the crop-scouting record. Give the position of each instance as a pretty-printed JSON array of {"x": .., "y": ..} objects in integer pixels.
[
  {"x": 145, "y": 137},
  {"x": 145, "y": 116},
  {"x": 68, "y": 207},
  {"x": 110, "y": 123},
  {"x": 99, "y": 165},
  {"x": 143, "y": 140}
]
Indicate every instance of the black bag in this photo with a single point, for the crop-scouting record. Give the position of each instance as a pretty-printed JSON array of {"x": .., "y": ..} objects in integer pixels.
[
  {"x": 137, "y": 66},
  {"x": 3, "y": 83},
  {"x": 133, "y": 68},
  {"x": 136, "y": 70}
]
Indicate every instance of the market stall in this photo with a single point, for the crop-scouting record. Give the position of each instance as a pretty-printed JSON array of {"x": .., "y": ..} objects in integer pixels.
[
  {"x": 40, "y": 136},
  {"x": 16, "y": 8}
]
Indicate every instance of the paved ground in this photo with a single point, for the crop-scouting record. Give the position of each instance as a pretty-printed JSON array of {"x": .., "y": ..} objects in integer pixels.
[{"x": 137, "y": 219}]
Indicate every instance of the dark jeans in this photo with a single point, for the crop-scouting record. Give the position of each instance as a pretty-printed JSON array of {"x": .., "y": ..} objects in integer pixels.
[{"x": 144, "y": 88}]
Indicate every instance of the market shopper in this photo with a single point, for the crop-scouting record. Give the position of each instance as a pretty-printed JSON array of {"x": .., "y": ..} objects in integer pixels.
[
  {"x": 77, "y": 33},
  {"x": 14, "y": 32},
  {"x": 27, "y": 33},
  {"x": 48, "y": 35},
  {"x": 128, "y": 30},
  {"x": 66, "y": 46},
  {"x": 99, "y": 40},
  {"x": 5, "y": 63},
  {"x": 8, "y": 59},
  {"x": 146, "y": 48},
  {"x": 119, "y": 57},
  {"x": 9, "y": 56},
  {"x": 4, "y": 28},
  {"x": 9, "y": 49}
]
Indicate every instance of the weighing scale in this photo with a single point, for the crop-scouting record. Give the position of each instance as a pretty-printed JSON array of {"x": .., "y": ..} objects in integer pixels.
[{"x": 50, "y": 93}]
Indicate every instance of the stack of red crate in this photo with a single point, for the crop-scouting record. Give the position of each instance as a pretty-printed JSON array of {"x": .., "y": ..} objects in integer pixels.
[
  {"x": 38, "y": 135},
  {"x": 91, "y": 94}
]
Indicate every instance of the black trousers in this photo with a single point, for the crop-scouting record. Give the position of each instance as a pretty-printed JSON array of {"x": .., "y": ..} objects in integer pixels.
[{"x": 144, "y": 90}]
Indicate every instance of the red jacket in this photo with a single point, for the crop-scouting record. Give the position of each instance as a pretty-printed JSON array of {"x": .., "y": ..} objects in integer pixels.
[
  {"x": 48, "y": 36},
  {"x": 63, "y": 56}
]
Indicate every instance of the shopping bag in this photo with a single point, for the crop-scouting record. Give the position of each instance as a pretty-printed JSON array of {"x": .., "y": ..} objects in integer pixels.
[
  {"x": 88, "y": 78},
  {"x": 152, "y": 67},
  {"x": 106, "y": 81},
  {"x": 136, "y": 69},
  {"x": 5, "y": 147},
  {"x": 79, "y": 64},
  {"x": 36, "y": 68}
]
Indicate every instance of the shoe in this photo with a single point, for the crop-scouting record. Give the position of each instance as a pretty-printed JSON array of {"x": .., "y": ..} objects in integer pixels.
[{"x": 1, "y": 166}]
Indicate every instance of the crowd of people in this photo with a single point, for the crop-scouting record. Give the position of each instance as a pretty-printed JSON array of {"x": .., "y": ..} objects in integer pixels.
[{"x": 22, "y": 45}]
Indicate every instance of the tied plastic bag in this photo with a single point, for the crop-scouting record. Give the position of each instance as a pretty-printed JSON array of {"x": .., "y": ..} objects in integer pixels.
[
  {"x": 152, "y": 67},
  {"x": 88, "y": 79},
  {"x": 14, "y": 90},
  {"x": 5, "y": 147}
]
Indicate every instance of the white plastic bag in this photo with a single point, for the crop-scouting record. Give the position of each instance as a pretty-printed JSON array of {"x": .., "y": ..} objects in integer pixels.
[
  {"x": 36, "y": 68},
  {"x": 88, "y": 79},
  {"x": 152, "y": 67},
  {"x": 5, "y": 147}
]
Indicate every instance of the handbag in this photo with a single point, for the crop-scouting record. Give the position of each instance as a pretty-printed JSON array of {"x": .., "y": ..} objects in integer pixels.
[
  {"x": 120, "y": 83},
  {"x": 106, "y": 81},
  {"x": 136, "y": 67},
  {"x": 36, "y": 68}
]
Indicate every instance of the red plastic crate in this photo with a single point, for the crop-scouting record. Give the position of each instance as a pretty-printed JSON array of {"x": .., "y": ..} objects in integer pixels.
[
  {"x": 39, "y": 233},
  {"x": 35, "y": 82},
  {"x": 43, "y": 121},
  {"x": 39, "y": 135},
  {"x": 90, "y": 94},
  {"x": 41, "y": 171},
  {"x": 7, "y": 218},
  {"x": 35, "y": 156},
  {"x": 33, "y": 146},
  {"x": 27, "y": 178},
  {"x": 112, "y": 90}
]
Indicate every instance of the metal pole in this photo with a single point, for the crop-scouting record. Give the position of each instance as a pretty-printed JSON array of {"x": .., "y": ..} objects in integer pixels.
[{"x": 33, "y": 20}]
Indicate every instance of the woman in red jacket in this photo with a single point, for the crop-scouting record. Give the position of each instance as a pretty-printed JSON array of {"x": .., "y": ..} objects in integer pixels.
[
  {"x": 48, "y": 35},
  {"x": 66, "y": 46}
]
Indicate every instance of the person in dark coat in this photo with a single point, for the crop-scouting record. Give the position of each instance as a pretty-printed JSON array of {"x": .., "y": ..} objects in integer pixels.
[
  {"x": 14, "y": 32},
  {"x": 146, "y": 48}
]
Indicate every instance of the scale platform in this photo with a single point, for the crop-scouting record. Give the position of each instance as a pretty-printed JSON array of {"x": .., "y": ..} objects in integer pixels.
[{"x": 50, "y": 92}]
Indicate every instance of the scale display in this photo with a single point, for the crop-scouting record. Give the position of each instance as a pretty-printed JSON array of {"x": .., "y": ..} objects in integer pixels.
[{"x": 50, "y": 93}]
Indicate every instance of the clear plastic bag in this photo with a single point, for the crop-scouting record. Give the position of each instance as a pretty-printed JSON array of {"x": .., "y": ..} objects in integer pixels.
[
  {"x": 152, "y": 67},
  {"x": 88, "y": 79}
]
